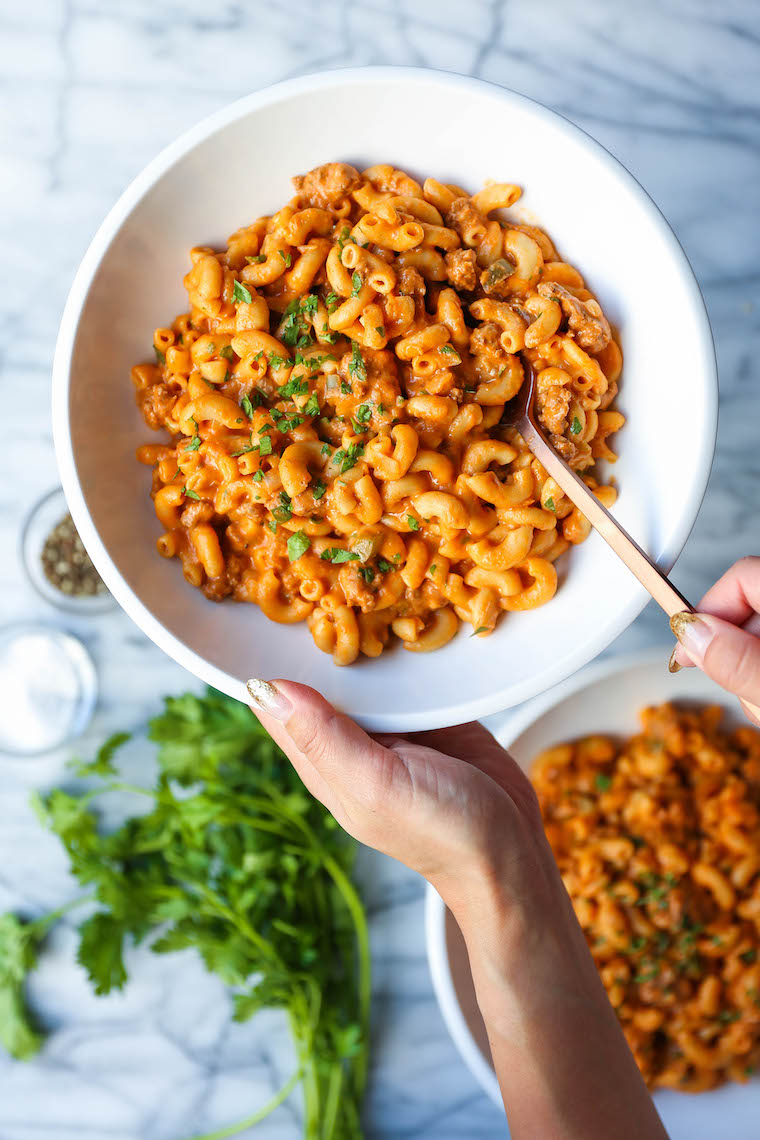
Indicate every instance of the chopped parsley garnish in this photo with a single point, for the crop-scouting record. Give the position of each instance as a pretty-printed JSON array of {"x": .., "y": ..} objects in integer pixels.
[
  {"x": 343, "y": 237},
  {"x": 293, "y": 388},
  {"x": 380, "y": 330},
  {"x": 190, "y": 494},
  {"x": 345, "y": 388},
  {"x": 226, "y": 352},
  {"x": 602, "y": 781},
  {"x": 480, "y": 629},
  {"x": 356, "y": 284},
  {"x": 273, "y": 527},
  {"x": 295, "y": 330},
  {"x": 383, "y": 565},
  {"x": 576, "y": 426},
  {"x": 265, "y": 445},
  {"x": 413, "y": 524},
  {"x": 348, "y": 458},
  {"x": 240, "y": 293},
  {"x": 433, "y": 568},
  {"x": 256, "y": 258},
  {"x": 549, "y": 505},
  {"x": 247, "y": 406},
  {"x": 257, "y": 478},
  {"x": 285, "y": 510},
  {"x": 336, "y": 555},
  {"x": 311, "y": 407},
  {"x": 276, "y": 362},
  {"x": 298, "y": 544},
  {"x": 194, "y": 444},
  {"x": 451, "y": 351},
  {"x": 325, "y": 449},
  {"x": 331, "y": 300},
  {"x": 748, "y": 957},
  {"x": 363, "y": 413},
  {"x": 318, "y": 490},
  {"x": 160, "y": 356},
  {"x": 367, "y": 573},
  {"x": 286, "y": 258},
  {"x": 357, "y": 367}
]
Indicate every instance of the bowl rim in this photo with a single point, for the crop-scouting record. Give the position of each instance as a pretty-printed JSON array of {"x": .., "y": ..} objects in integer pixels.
[
  {"x": 435, "y": 909},
  {"x": 383, "y": 719}
]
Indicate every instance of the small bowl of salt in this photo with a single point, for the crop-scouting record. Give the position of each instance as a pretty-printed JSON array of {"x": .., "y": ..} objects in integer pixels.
[{"x": 48, "y": 688}]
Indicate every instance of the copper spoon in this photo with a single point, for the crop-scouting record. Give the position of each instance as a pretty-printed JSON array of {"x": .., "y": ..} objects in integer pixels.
[{"x": 520, "y": 413}]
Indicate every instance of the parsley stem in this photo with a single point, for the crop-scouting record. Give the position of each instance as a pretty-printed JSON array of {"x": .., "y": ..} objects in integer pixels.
[{"x": 278, "y": 1099}]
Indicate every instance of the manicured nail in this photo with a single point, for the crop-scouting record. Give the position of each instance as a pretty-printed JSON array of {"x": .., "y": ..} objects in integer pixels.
[
  {"x": 269, "y": 699},
  {"x": 673, "y": 665},
  {"x": 693, "y": 633}
]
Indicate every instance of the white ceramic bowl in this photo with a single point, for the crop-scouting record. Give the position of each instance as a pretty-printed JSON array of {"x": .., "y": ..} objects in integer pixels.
[
  {"x": 605, "y": 697},
  {"x": 236, "y": 165}
]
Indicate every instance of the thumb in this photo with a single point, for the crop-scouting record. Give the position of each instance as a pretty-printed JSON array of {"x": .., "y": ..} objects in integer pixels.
[
  {"x": 726, "y": 653},
  {"x": 327, "y": 749}
]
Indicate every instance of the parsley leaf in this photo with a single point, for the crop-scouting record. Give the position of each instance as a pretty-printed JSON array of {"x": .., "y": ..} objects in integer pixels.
[
  {"x": 363, "y": 413},
  {"x": 298, "y": 544},
  {"x": 413, "y": 524},
  {"x": 349, "y": 457},
  {"x": 383, "y": 565},
  {"x": 576, "y": 426},
  {"x": 357, "y": 368},
  {"x": 265, "y": 445},
  {"x": 226, "y": 352},
  {"x": 286, "y": 258},
  {"x": 293, "y": 388},
  {"x": 190, "y": 494},
  {"x": 336, "y": 555},
  {"x": 549, "y": 505},
  {"x": 602, "y": 781},
  {"x": 247, "y": 406},
  {"x": 318, "y": 490},
  {"x": 311, "y": 407},
  {"x": 240, "y": 293},
  {"x": 356, "y": 284},
  {"x": 160, "y": 356},
  {"x": 193, "y": 445}
]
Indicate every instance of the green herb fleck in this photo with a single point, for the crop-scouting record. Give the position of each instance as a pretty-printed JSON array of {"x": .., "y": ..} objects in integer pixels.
[{"x": 298, "y": 544}]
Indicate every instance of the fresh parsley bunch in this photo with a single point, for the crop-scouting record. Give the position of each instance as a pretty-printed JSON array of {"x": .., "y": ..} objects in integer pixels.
[{"x": 237, "y": 860}]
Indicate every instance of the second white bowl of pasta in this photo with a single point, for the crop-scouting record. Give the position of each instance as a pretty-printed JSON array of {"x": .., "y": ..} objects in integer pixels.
[{"x": 328, "y": 383}]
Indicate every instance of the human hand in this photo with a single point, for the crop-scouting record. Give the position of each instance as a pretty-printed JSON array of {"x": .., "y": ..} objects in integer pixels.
[
  {"x": 723, "y": 638},
  {"x": 451, "y": 804}
]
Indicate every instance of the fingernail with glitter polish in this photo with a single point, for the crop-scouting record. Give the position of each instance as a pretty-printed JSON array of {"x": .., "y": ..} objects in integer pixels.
[
  {"x": 268, "y": 698},
  {"x": 693, "y": 632},
  {"x": 673, "y": 665}
]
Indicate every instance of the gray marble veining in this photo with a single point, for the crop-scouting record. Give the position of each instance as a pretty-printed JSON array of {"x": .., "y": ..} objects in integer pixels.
[{"x": 91, "y": 90}]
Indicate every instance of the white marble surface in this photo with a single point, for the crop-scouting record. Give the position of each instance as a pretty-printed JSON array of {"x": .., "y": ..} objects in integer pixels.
[{"x": 92, "y": 89}]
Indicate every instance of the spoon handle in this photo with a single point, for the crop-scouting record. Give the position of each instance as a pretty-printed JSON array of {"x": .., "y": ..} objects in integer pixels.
[{"x": 639, "y": 563}]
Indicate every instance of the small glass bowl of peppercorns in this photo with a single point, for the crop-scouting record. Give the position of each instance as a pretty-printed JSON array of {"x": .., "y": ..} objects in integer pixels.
[{"x": 56, "y": 562}]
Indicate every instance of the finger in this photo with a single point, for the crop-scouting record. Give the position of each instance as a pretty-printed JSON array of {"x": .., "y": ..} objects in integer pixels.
[
  {"x": 735, "y": 597},
  {"x": 681, "y": 657},
  {"x": 727, "y": 654},
  {"x": 323, "y": 743},
  {"x": 312, "y": 780}
]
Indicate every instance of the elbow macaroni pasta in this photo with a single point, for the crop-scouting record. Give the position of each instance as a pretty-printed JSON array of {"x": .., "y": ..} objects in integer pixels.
[
  {"x": 333, "y": 397},
  {"x": 657, "y": 839}
]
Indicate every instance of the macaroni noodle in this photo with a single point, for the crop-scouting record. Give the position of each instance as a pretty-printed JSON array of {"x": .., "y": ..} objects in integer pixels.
[
  {"x": 658, "y": 842},
  {"x": 333, "y": 398}
]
